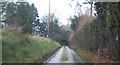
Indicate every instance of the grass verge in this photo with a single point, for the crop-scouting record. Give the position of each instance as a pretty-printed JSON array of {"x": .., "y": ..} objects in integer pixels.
[
  {"x": 18, "y": 48},
  {"x": 91, "y": 57}
]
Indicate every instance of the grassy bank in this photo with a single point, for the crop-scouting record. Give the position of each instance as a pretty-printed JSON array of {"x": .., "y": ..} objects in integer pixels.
[
  {"x": 0, "y": 46},
  {"x": 24, "y": 49},
  {"x": 91, "y": 57}
]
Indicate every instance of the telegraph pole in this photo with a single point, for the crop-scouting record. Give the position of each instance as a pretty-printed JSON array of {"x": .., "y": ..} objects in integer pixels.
[
  {"x": 91, "y": 7},
  {"x": 49, "y": 21},
  {"x": 90, "y": 4}
]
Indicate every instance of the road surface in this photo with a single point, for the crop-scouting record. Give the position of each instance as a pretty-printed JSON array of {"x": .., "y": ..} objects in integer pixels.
[{"x": 64, "y": 50}]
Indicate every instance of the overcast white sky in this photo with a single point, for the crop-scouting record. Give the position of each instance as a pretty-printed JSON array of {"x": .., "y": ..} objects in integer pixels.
[{"x": 61, "y": 8}]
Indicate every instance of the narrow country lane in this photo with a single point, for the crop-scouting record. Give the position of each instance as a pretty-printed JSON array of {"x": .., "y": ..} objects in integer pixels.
[{"x": 72, "y": 57}]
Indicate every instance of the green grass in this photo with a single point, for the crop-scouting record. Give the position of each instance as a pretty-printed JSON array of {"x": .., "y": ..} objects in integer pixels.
[
  {"x": 24, "y": 49},
  {"x": 64, "y": 58},
  {"x": 0, "y": 46}
]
